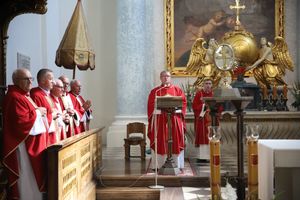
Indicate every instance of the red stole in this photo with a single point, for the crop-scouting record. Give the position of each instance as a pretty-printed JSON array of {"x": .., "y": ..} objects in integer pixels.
[
  {"x": 58, "y": 105},
  {"x": 177, "y": 120},
  {"x": 201, "y": 123},
  {"x": 80, "y": 110},
  {"x": 40, "y": 98},
  {"x": 19, "y": 115}
]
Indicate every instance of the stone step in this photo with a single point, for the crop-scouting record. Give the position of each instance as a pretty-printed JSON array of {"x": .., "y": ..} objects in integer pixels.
[
  {"x": 145, "y": 181},
  {"x": 127, "y": 193}
]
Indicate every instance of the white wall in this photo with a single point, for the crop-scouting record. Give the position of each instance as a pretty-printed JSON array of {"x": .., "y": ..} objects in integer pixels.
[
  {"x": 101, "y": 83},
  {"x": 25, "y": 38},
  {"x": 38, "y": 36}
]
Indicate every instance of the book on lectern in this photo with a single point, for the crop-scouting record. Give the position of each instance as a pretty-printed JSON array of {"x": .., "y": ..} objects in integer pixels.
[{"x": 168, "y": 101}]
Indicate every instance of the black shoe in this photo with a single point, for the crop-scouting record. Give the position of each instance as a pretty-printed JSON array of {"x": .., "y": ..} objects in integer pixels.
[
  {"x": 202, "y": 160},
  {"x": 148, "y": 151}
]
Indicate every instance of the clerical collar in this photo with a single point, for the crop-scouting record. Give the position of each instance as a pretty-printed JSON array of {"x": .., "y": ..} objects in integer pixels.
[
  {"x": 54, "y": 98},
  {"x": 209, "y": 91},
  {"x": 76, "y": 95},
  {"x": 166, "y": 85},
  {"x": 47, "y": 92}
]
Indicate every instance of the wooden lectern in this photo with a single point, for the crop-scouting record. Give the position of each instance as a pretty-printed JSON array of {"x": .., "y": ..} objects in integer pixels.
[{"x": 169, "y": 104}]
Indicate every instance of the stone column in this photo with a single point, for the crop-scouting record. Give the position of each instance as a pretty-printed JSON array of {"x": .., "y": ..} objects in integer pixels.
[
  {"x": 134, "y": 65},
  {"x": 298, "y": 39}
]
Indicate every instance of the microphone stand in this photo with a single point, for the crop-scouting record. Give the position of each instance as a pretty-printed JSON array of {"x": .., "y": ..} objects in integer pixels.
[{"x": 155, "y": 143}]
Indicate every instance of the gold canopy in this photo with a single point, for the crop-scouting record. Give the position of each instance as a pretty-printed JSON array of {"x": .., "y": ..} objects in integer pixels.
[{"x": 75, "y": 49}]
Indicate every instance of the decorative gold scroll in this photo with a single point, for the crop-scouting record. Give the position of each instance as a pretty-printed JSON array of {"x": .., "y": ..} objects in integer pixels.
[{"x": 169, "y": 34}]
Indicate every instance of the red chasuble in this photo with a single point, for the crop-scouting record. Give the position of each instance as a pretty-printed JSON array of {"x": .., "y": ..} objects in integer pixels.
[
  {"x": 68, "y": 104},
  {"x": 177, "y": 119},
  {"x": 19, "y": 116},
  {"x": 39, "y": 97},
  {"x": 201, "y": 123},
  {"x": 61, "y": 134},
  {"x": 80, "y": 110}
]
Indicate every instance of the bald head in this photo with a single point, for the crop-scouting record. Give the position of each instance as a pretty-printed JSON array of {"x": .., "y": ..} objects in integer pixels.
[
  {"x": 66, "y": 82},
  {"x": 22, "y": 78},
  {"x": 75, "y": 86},
  {"x": 58, "y": 88}
]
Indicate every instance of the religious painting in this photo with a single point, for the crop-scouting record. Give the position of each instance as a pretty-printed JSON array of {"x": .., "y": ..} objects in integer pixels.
[{"x": 187, "y": 20}]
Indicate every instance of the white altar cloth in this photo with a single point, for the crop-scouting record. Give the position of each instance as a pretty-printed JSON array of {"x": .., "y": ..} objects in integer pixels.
[{"x": 277, "y": 154}]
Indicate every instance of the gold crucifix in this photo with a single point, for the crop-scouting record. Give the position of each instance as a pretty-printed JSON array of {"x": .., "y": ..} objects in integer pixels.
[{"x": 237, "y": 6}]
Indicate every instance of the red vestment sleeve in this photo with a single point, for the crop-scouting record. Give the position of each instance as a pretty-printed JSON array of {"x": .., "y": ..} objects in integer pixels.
[
  {"x": 160, "y": 124},
  {"x": 80, "y": 110},
  {"x": 201, "y": 123},
  {"x": 18, "y": 118}
]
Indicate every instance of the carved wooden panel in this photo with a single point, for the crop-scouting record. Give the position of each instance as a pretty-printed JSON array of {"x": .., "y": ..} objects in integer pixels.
[{"x": 71, "y": 166}]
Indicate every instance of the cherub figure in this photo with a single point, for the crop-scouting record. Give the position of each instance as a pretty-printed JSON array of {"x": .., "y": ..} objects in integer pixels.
[
  {"x": 212, "y": 24},
  {"x": 201, "y": 62},
  {"x": 273, "y": 60}
]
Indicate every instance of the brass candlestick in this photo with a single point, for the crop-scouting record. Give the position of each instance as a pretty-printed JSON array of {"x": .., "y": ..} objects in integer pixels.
[
  {"x": 215, "y": 174},
  {"x": 252, "y": 137}
]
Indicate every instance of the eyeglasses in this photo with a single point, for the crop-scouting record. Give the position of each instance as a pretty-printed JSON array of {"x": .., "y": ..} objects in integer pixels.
[
  {"x": 27, "y": 79},
  {"x": 61, "y": 87}
]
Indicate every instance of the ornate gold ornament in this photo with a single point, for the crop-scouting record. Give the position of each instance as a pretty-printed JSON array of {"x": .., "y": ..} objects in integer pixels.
[
  {"x": 269, "y": 69},
  {"x": 201, "y": 62},
  {"x": 224, "y": 57},
  {"x": 242, "y": 38}
]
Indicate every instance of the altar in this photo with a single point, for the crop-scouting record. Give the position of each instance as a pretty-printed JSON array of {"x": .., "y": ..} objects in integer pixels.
[
  {"x": 274, "y": 125},
  {"x": 279, "y": 169}
]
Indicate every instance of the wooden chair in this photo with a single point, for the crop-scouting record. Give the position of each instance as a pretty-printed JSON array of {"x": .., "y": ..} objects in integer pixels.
[{"x": 133, "y": 129}]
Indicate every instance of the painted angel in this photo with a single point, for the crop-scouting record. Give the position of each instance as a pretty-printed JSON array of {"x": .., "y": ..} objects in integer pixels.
[
  {"x": 201, "y": 62},
  {"x": 273, "y": 61}
]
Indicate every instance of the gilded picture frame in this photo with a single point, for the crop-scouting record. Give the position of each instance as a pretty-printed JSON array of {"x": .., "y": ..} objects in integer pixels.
[{"x": 199, "y": 12}]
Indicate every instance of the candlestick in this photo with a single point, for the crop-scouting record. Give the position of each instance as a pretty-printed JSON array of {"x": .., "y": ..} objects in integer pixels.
[
  {"x": 215, "y": 177},
  {"x": 284, "y": 91},
  {"x": 265, "y": 92},
  {"x": 252, "y": 169},
  {"x": 274, "y": 92}
]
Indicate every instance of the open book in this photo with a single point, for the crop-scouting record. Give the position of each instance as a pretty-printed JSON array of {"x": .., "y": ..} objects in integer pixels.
[{"x": 202, "y": 113}]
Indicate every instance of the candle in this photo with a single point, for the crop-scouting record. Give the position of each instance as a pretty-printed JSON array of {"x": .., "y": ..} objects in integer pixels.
[
  {"x": 252, "y": 169},
  {"x": 265, "y": 92},
  {"x": 274, "y": 92},
  {"x": 215, "y": 177},
  {"x": 284, "y": 91}
]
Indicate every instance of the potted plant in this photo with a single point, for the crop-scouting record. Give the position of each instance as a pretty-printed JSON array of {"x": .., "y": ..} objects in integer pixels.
[
  {"x": 189, "y": 92},
  {"x": 295, "y": 90}
]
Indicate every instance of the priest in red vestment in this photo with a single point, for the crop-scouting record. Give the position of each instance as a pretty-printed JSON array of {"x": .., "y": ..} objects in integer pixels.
[
  {"x": 67, "y": 102},
  {"x": 24, "y": 139},
  {"x": 158, "y": 123},
  {"x": 81, "y": 106},
  {"x": 203, "y": 119},
  {"x": 41, "y": 96},
  {"x": 63, "y": 118}
]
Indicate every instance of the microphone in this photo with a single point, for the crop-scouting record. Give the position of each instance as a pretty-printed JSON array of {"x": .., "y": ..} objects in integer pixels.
[{"x": 155, "y": 102}]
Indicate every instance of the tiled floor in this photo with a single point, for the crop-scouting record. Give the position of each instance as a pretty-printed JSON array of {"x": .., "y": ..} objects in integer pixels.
[
  {"x": 228, "y": 159},
  {"x": 113, "y": 158}
]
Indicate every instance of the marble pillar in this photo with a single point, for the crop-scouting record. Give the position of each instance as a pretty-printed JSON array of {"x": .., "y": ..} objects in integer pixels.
[{"x": 135, "y": 65}]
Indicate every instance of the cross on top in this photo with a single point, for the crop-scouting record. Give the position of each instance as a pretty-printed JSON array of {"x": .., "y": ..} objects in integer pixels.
[{"x": 237, "y": 6}]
